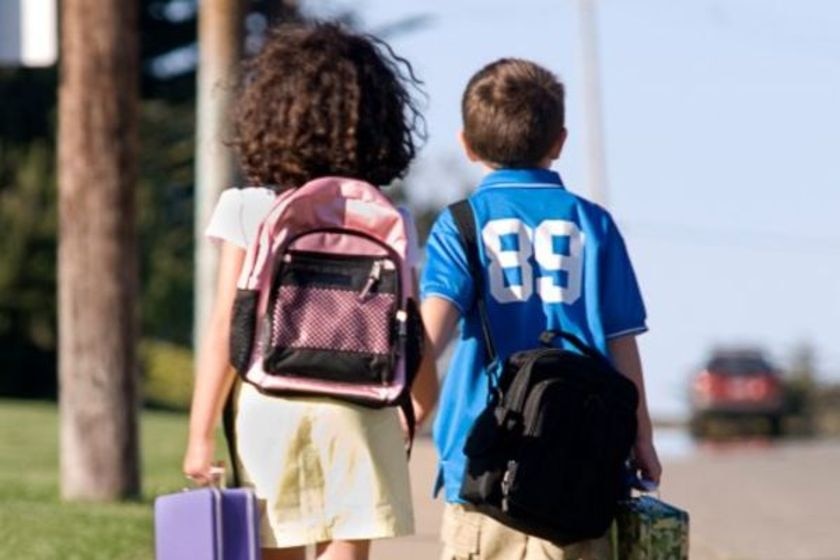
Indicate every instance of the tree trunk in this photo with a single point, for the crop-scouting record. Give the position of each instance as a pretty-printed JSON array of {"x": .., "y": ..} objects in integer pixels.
[{"x": 97, "y": 258}]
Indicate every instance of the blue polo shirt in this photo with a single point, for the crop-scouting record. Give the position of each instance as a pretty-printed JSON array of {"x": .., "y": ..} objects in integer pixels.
[{"x": 551, "y": 260}]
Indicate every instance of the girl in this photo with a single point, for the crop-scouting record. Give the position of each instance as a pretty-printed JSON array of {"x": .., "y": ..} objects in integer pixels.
[{"x": 317, "y": 101}]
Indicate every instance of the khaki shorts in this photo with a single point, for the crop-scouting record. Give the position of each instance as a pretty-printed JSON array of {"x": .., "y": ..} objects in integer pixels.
[{"x": 469, "y": 535}]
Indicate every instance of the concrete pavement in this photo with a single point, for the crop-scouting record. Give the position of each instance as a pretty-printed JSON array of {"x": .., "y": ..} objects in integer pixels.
[
  {"x": 759, "y": 500},
  {"x": 747, "y": 501},
  {"x": 424, "y": 544}
]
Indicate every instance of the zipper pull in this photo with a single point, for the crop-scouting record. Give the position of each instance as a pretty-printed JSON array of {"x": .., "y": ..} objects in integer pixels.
[
  {"x": 507, "y": 481},
  {"x": 373, "y": 278},
  {"x": 402, "y": 324}
]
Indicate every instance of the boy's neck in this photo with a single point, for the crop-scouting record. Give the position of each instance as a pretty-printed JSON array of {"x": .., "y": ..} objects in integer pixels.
[{"x": 491, "y": 167}]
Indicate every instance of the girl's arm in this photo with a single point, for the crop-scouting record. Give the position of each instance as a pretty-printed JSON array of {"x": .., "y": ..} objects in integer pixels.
[
  {"x": 625, "y": 354},
  {"x": 214, "y": 374}
]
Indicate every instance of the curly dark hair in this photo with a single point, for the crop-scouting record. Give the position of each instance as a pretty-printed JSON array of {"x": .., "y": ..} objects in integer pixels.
[{"x": 320, "y": 100}]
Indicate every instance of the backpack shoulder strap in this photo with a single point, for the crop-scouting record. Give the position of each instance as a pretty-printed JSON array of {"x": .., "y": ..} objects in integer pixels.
[
  {"x": 464, "y": 217},
  {"x": 407, "y": 406},
  {"x": 229, "y": 426}
]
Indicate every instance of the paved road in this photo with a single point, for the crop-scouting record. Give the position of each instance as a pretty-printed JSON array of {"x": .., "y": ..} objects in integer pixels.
[
  {"x": 760, "y": 501},
  {"x": 748, "y": 501}
]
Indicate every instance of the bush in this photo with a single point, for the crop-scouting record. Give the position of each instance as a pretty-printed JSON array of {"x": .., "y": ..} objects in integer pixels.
[
  {"x": 827, "y": 410},
  {"x": 167, "y": 374}
]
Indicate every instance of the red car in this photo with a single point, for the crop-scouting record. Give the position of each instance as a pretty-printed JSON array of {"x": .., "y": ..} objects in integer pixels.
[{"x": 734, "y": 385}]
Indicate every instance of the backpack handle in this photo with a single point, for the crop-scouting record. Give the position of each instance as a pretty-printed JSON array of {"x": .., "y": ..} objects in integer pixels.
[
  {"x": 547, "y": 339},
  {"x": 516, "y": 398}
]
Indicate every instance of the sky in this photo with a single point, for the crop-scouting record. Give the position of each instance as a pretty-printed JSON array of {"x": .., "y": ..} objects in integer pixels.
[{"x": 722, "y": 139}]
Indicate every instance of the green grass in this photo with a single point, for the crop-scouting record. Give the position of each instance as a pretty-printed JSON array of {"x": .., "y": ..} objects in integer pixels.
[{"x": 35, "y": 524}]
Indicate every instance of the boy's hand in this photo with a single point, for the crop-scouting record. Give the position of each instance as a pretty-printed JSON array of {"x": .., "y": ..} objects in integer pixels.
[
  {"x": 198, "y": 461},
  {"x": 646, "y": 461}
]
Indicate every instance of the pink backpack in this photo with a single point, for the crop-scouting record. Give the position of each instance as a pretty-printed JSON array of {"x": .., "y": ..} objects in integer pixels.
[{"x": 326, "y": 302}]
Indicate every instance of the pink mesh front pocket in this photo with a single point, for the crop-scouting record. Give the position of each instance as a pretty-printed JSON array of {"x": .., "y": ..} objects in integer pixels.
[{"x": 318, "y": 318}]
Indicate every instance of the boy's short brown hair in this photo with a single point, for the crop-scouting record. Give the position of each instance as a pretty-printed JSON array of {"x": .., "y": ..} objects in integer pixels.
[{"x": 513, "y": 113}]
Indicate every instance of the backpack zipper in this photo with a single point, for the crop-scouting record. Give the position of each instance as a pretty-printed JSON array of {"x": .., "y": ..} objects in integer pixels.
[
  {"x": 373, "y": 278},
  {"x": 507, "y": 482},
  {"x": 530, "y": 410},
  {"x": 393, "y": 256}
]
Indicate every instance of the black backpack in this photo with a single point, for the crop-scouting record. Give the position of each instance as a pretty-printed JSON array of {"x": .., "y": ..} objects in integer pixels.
[{"x": 547, "y": 455}]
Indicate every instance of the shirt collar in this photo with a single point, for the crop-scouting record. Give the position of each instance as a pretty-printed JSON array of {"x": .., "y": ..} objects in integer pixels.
[{"x": 532, "y": 177}]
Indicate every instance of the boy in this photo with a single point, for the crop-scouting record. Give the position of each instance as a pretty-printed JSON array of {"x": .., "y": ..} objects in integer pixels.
[{"x": 551, "y": 260}]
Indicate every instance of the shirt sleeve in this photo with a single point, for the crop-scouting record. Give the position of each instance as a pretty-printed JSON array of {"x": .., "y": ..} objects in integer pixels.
[
  {"x": 623, "y": 310},
  {"x": 226, "y": 222},
  {"x": 447, "y": 273}
]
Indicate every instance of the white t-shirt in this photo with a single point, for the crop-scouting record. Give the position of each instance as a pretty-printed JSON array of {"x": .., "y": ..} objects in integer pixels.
[{"x": 238, "y": 214}]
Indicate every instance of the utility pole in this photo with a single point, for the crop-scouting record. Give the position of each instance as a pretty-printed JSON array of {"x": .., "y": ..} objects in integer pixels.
[
  {"x": 220, "y": 46},
  {"x": 97, "y": 256},
  {"x": 596, "y": 160},
  {"x": 283, "y": 11}
]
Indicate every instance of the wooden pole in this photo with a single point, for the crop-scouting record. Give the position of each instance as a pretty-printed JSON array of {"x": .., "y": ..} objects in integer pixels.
[
  {"x": 97, "y": 257},
  {"x": 220, "y": 40},
  {"x": 597, "y": 167}
]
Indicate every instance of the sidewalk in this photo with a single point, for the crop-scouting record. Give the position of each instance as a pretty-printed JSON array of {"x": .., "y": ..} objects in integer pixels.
[
  {"x": 424, "y": 544},
  {"x": 759, "y": 501}
]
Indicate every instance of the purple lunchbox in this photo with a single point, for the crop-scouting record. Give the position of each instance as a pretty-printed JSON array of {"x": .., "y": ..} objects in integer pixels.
[{"x": 207, "y": 524}]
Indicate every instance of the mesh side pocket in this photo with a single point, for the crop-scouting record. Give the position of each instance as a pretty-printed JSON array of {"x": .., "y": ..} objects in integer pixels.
[
  {"x": 242, "y": 328},
  {"x": 414, "y": 341}
]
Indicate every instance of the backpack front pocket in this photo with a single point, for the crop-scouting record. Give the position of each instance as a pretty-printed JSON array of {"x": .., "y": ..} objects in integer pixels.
[{"x": 332, "y": 318}]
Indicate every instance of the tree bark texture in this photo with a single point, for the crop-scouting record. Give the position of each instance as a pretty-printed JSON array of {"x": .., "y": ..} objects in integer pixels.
[{"x": 97, "y": 258}]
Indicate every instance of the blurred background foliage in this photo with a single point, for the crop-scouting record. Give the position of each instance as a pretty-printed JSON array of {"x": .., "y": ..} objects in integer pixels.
[
  {"x": 27, "y": 233},
  {"x": 28, "y": 204}
]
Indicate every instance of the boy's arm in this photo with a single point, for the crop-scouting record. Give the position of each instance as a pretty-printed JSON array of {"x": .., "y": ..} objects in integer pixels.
[
  {"x": 439, "y": 319},
  {"x": 625, "y": 354}
]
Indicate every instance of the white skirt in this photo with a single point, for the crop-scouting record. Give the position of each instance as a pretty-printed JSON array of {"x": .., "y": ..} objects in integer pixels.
[{"x": 322, "y": 469}]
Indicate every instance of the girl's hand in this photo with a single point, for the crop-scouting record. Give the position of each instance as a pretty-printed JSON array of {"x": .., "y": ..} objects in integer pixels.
[
  {"x": 198, "y": 461},
  {"x": 646, "y": 460}
]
